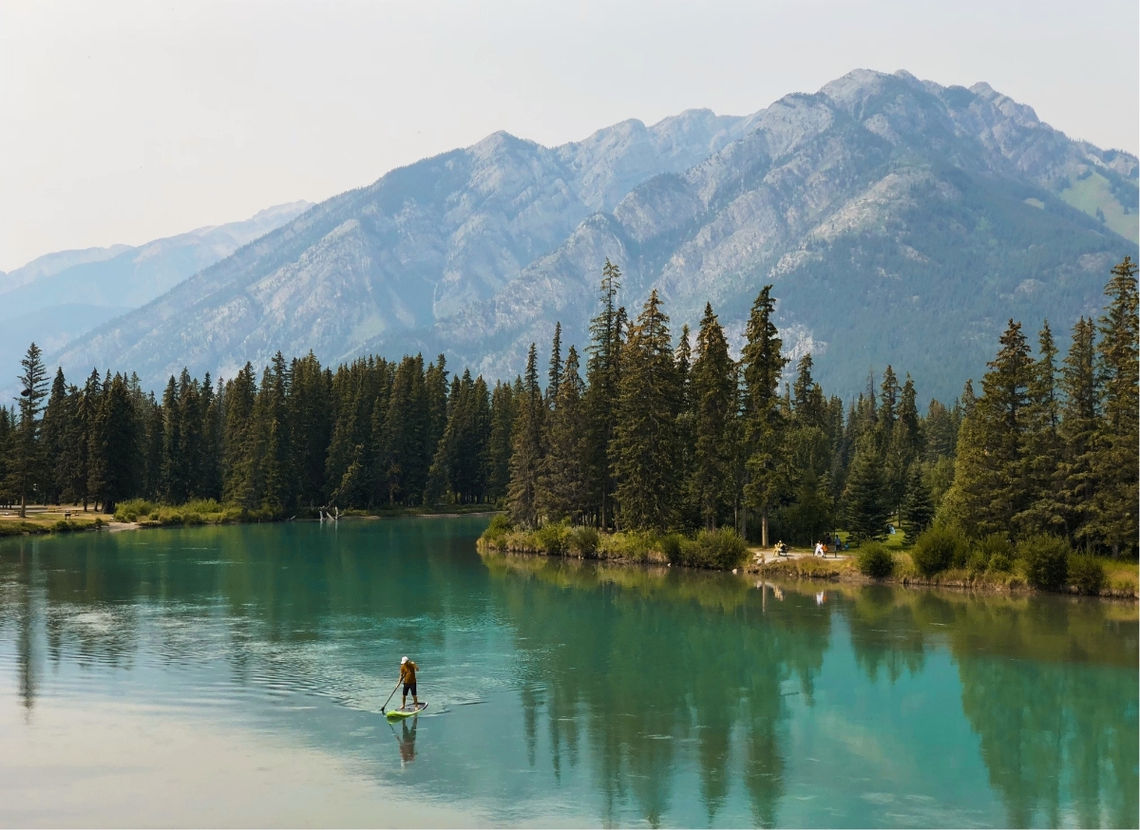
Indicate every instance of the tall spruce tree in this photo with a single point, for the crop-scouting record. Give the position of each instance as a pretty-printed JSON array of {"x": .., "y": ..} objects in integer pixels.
[
  {"x": 762, "y": 363},
  {"x": 1076, "y": 484},
  {"x": 990, "y": 466},
  {"x": 645, "y": 436},
  {"x": 866, "y": 498},
  {"x": 603, "y": 370},
  {"x": 497, "y": 455},
  {"x": 563, "y": 489},
  {"x": 27, "y": 465},
  {"x": 53, "y": 434},
  {"x": 1044, "y": 512},
  {"x": 713, "y": 388},
  {"x": 1114, "y": 513},
  {"x": 527, "y": 449}
]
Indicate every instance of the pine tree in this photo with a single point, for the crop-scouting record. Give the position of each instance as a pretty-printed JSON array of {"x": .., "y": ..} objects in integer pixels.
[
  {"x": 554, "y": 373},
  {"x": 866, "y": 497},
  {"x": 990, "y": 466},
  {"x": 713, "y": 389},
  {"x": 497, "y": 456},
  {"x": 1113, "y": 511},
  {"x": 917, "y": 510},
  {"x": 238, "y": 484},
  {"x": 26, "y": 465},
  {"x": 1076, "y": 484},
  {"x": 114, "y": 445},
  {"x": 645, "y": 436},
  {"x": 563, "y": 489},
  {"x": 54, "y": 429},
  {"x": 603, "y": 372},
  {"x": 527, "y": 450},
  {"x": 763, "y": 420},
  {"x": 90, "y": 405},
  {"x": 1044, "y": 513}
]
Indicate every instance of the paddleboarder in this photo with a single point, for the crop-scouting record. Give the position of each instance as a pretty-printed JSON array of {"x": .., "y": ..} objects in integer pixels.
[{"x": 408, "y": 678}]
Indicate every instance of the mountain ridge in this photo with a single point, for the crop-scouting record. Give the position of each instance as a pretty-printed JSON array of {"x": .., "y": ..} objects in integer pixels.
[{"x": 843, "y": 199}]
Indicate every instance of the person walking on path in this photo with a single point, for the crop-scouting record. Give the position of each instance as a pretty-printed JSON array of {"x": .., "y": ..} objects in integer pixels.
[
  {"x": 819, "y": 549},
  {"x": 408, "y": 678}
]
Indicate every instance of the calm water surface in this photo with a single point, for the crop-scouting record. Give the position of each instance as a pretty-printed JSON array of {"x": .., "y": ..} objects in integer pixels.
[{"x": 235, "y": 677}]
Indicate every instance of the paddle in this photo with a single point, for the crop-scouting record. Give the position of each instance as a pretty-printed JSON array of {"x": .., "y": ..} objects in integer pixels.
[{"x": 390, "y": 696}]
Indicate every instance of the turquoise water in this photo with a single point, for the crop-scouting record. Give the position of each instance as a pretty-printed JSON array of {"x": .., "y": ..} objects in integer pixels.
[{"x": 235, "y": 677}]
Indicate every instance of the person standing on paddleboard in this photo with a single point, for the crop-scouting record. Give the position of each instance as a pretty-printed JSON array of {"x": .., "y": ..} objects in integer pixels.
[{"x": 408, "y": 678}]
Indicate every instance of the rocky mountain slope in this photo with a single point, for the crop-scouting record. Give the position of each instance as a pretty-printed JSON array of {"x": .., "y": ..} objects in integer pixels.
[
  {"x": 900, "y": 221},
  {"x": 58, "y": 297}
]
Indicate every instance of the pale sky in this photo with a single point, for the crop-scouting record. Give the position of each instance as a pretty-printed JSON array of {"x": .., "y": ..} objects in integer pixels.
[{"x": 125, "y": 121}]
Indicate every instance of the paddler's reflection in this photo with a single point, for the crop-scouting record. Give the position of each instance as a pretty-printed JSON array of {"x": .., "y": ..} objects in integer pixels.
[{"x": 407, "y": 741}]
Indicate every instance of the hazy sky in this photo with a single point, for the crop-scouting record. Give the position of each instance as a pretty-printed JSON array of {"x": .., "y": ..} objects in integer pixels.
[{"x": 127, "y": 121}]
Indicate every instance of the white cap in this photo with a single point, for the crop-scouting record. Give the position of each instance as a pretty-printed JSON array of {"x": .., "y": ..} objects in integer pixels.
[{"x": 403, "y": 661}]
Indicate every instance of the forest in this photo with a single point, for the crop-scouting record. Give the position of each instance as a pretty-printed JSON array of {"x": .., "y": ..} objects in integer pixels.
[{"x": 636, "y": 433}]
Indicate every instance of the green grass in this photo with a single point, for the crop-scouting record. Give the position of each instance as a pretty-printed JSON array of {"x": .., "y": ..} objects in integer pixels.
[{"x": 1093, "y": 192}]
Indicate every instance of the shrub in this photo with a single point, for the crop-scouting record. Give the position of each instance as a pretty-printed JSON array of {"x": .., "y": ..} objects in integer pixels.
[
  {"x": 993, "y": 553},
  {"x": 551, "y": 538},
  {"x": 722, "y": 549},
  {"x": 672, "y": 545},
  {"x": 1087, "y": 573},
  {"x": 131, "y": 509},
  {"x": 496, "y": 533},
  {"x": 582, "y": 541},
  {"x": 938, "y": 548},
  {"x": 875, "y": 560},
  {"x": 1046, "y": 561}
]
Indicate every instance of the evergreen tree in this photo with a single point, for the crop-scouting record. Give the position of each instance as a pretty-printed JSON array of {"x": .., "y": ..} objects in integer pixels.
[
  {"x": 563, "y": 486},
  {"x": 527, "y": 449},
  {"x": 54, "y": 430},
  {"x": 763, "y": 420},
  {"x": 91, "y": 404},
  {"x": 26, "y": 466},
  {"x": 603, "y": 371},
  {"x": 497, "y": 456},
  {"x": 1045, "y": 513},
  {"x": 1076, "y": 484},
  {"x": 404, "y": 453},
  {"x": 990, "y": 466},
  {"x": 917, "y": 510},
  {"x": 238, "y": 485},
  {"x": 645, "y": 437},
  {"x": 310, "y": 420},
  {"x": 713, "y": 388},
  {"x": 1113, "y": 511},
  {"x": 866, "y": 497},
  {"x": 114, "y": 445},
  {"x": 554, "y": 373},
  {"x": 173, "y": 478}
]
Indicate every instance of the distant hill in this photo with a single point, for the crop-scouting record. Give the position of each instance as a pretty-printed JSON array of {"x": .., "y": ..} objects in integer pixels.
[
  {"x": 58, "y": 297},
  {"x": 900, "y": 222}
]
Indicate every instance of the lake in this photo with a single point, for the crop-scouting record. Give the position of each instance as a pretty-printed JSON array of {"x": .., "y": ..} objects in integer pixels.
[{"x": 235, "y": 676}]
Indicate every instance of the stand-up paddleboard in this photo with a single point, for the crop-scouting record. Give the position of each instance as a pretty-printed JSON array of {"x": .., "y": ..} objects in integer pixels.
[{"x": 398, "y": 714}]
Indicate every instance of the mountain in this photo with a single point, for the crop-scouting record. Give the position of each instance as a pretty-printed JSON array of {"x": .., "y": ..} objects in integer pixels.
[
  {"x": 900, "y": 222},
  {"x": 57, "y": 297}
]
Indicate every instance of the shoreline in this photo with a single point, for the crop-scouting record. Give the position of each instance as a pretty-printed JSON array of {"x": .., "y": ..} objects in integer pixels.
[{"x": 799, "y": 566}]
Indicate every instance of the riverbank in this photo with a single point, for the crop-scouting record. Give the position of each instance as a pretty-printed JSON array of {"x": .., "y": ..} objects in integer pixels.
[
  {"x": 138, "y": 513},
  {"x": 1121, "y": 579}
]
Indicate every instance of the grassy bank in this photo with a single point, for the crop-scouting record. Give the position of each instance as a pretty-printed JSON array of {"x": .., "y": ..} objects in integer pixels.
[
  {"x": 51, "y": 519},
  {"x": 717, "y": 549},
  {"x": 938, "y": 558}
]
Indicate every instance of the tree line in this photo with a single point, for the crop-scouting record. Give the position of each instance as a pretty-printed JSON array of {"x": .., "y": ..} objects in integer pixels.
[
  {"x": 648, "y": 434},
  {"x": 660, "y": 437},
  {"x": 372, "y": 433}
]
